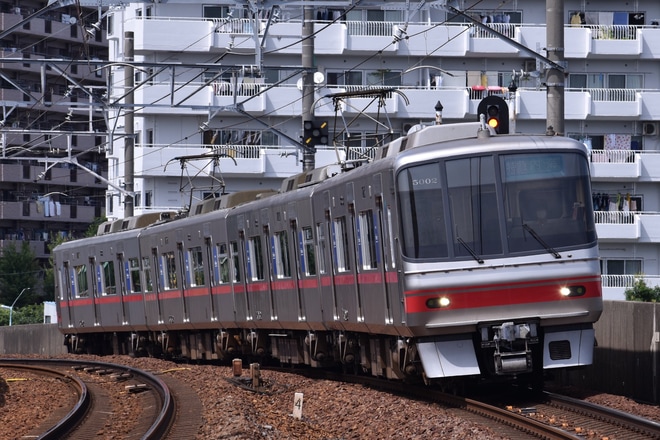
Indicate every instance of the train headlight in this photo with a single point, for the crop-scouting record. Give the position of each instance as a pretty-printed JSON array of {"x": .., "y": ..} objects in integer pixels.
[
  {"x": 570, "y": 291},
  {"x": 438, "y": 303}
]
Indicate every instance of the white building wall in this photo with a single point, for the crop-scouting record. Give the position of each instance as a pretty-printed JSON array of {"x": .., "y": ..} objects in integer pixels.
[{"x": 431, "y": 47}]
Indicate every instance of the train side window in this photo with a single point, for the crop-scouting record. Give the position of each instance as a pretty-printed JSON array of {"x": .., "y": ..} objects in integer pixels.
[
  {"x": 281, "y": 263},
  {"x": 134, "y": 268},
  {"x": 340, "y": 244},
  {"x": 109, "y": 281},
  {"x": 169, "y": 266},
  {"x": 309, "y": 254},
  {"x": 367, "y": 239},
  {"x": 235, "y": 261},
  {"x": 322, "y": 247},
  {"x": 255, "y": 255},
  {"x": 222, "y": 262},
  {"x": 196, "y": 258},
  {"x": 390, "y": 232},
  {"x": 82, "y": 285},
  {"x": 146, "y": 271}
]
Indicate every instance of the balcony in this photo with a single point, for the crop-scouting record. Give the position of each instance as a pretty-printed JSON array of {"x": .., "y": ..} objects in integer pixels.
[
  {"x": 614, "y": 286},
  {"x": 628, "y": 226},
  {"x": 625, "y": 165},
  {"x": 238, "y": 35}
]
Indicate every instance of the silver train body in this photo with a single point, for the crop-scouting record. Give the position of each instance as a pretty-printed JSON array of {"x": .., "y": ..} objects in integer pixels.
[{"x": 453, "y": 253}]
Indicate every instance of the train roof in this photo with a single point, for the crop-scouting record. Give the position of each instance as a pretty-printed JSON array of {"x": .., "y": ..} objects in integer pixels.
[{"x": 450, "y": 136}]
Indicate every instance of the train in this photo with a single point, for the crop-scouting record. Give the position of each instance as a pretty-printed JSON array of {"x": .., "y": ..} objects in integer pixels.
[{"x": 453, "y": 253}]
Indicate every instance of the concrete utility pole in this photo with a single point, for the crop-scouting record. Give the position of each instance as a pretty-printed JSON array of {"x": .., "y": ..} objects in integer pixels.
[
  {"x": 129, "y": 124},
  {"x": 555, "y": 77},
  {"x": 308, "y": 81}
]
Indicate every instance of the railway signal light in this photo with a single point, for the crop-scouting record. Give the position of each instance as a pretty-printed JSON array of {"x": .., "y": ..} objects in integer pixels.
[
  {"x": 496, "y": 112},
  {"x": 315, "y": 133}
]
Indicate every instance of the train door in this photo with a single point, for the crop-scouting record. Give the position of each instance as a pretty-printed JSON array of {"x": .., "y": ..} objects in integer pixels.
[
  {"x": 327, "y": 261},
  {"x": 286, "y": 290},
  {"x": 236, "y": 267},
  {"x": 342, "y": 238},
  {"x": 160, "y": 286},
  {"x": 67, "y": 288},
  {"x": 258, "y": 289},
  {"x": 136, "y": 288},
  {"x": 212, "y": 274},
  {"x": 372, "y": 274},
  {"x": 124, "y": 285},
  {"x": 97, "y": 288}
]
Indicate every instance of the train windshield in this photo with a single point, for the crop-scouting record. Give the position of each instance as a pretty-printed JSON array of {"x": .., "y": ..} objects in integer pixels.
[{"x": 491, "y": 206}]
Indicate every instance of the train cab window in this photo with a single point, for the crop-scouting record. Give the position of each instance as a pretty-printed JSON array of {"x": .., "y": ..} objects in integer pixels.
[
  {"x": 340, "y": 243},
  {"x": 309, "y": 256},
  {"x": 254, "y": 254},
  {"x": 546, "y": 201},
  {"x": 367, "y": 237},
  {"x": 473, "y": 207},
  {"x": 169, "y": 267},
  {"x": 235, "y": 263},
  {"x": 195, "y": 263},
  {"x": 109, "y": 281},
  {"x": 146, "y": 272},
  {"x": 281, "y": 262},
  {"x": 422, "y": 208},
  {"x": 134, "y": 268},
  {"x": 82, "y": 285}
]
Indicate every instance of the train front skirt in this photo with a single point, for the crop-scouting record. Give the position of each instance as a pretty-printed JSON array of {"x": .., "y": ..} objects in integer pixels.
[{"x": 562, "y": 348}]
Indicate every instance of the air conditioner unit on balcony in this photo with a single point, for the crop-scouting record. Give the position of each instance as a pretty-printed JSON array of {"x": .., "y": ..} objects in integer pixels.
[{"x": 650, "y": 128}]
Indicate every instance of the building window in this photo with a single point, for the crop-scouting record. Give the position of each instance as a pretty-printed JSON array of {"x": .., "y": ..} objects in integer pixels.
[{"x": 621, "y": 267}]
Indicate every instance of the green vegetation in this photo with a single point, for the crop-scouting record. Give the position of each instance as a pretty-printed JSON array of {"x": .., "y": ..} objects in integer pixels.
[
  {"x": 19, "y": 270},
  {"x": 641, "y": 292},
  {"x": 32, "y": 314}
]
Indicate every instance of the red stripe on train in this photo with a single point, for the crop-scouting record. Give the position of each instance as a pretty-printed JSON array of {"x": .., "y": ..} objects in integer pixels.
[{"x": 491, "y": 296}]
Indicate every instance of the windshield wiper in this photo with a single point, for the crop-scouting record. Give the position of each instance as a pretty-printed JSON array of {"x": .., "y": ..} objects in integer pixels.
[
  {"x": 469, "y": 249},
  {"x": 536, "y": 236}
]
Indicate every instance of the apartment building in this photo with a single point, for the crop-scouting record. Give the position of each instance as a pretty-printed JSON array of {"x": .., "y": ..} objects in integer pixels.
[
  {"x": 214, "y": 95},
  {"x": 52, "y": 132}
]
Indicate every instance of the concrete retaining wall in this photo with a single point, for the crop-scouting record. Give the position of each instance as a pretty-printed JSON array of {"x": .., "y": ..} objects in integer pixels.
[{"x": 43, "y": 339}]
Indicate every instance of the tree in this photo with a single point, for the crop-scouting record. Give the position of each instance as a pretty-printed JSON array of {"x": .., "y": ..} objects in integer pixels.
[
  {"x": 32, "y": 314},
  {"x": 641, "y": 292},
  {"x": 19, "y": 270}
]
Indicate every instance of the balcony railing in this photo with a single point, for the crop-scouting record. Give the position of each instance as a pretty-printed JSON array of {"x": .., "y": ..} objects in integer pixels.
[
  {"x": 613, "y": 32},
  {"x": 615, "y": 217},
  {"x": 628, "y": 281},
  {"x": 617, "y": 95}
]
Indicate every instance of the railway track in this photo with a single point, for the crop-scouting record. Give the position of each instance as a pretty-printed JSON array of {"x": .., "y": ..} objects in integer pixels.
[
  {"x": 102, "y": 390},
  {"x": 523, "y": 415}
]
